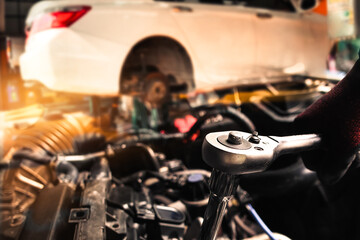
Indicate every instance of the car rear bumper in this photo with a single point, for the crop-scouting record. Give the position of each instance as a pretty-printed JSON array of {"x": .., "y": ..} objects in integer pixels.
[{"x": 63, "y": 60}]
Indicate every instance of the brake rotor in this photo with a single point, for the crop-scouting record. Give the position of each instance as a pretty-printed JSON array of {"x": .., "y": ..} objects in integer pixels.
[{"x": 156, "y": 90}]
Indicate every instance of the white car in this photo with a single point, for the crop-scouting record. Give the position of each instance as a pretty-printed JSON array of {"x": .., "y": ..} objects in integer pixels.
[{"x": 107, "y": 47}]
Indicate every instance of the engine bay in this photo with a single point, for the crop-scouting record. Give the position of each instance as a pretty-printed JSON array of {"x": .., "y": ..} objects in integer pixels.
[{"x": 66, "y": 177}]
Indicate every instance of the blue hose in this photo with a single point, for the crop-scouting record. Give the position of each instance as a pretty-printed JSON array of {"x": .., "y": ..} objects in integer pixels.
[{"x": 260, "y": 221}]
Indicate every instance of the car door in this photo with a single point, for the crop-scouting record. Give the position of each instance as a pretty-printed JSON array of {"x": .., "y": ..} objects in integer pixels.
[{"x": 221, "y": 37}]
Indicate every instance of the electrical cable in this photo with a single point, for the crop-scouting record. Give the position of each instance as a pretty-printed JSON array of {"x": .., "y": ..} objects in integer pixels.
[
  {"x": 243, "y": 226},
  {"x": 252, "y": 211}
]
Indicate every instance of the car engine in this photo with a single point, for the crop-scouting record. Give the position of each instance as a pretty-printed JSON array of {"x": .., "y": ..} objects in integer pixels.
[{"x": 64, "y": 177}]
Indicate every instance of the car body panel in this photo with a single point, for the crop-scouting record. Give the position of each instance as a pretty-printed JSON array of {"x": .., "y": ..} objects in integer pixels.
[
  {"x": 225, "y": 39},
  {"x": 227, "y": 45}
]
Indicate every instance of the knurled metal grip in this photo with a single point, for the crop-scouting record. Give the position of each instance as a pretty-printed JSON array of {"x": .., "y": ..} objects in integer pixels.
[
  {"x": 222, "y": 187},
  {"x": 237, "y": 152}
]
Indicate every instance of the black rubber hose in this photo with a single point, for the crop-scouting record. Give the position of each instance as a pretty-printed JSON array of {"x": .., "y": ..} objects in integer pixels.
[
  {"x": 28, "y": 154},
  {"x": 229, "y": 112},
  {"x": 238, "y": 117},
  {"x": 69, "y": 170}
]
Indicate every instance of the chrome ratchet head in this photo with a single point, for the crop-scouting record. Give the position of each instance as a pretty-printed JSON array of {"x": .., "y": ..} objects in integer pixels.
[{"x": 237, "y": 152}]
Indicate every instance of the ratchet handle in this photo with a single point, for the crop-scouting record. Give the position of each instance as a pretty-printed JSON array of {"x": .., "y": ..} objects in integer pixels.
[
  {"x": 296, "y": 143},
  {"x": 236, "y": 152}
]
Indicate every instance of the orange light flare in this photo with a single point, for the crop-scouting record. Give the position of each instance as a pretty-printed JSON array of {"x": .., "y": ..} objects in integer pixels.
[{"x": 322, "y": 8}]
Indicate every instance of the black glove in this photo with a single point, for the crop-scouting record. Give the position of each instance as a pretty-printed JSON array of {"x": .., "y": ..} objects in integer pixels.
[{"x": 336, "y": 116}]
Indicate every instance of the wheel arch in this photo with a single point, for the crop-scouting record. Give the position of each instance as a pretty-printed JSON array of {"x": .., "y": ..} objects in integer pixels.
[{"x": 161, "y": 53}]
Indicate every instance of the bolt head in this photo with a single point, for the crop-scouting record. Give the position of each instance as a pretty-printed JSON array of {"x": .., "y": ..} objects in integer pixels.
[{"x": 235, "y": 138}]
